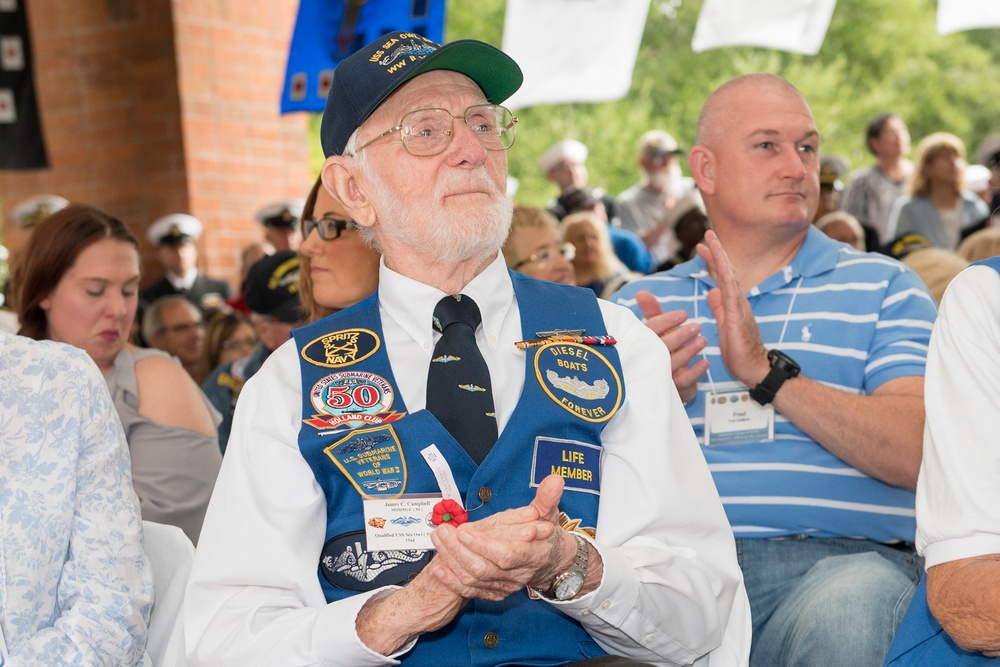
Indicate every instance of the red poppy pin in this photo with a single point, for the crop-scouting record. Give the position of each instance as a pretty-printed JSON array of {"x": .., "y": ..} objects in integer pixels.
[{"x": 448, "y": 511}]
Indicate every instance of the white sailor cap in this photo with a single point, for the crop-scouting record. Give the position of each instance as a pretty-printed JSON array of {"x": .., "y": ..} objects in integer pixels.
[
  {"x": 33, "y": 210},
  {"x": 174, "y": 229},
  {"x": 568, "y": 149},
  {"x": 284, "y": 213},
  {"x": 977, "y": 178}
]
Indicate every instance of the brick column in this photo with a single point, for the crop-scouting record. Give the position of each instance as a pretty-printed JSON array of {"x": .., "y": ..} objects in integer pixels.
[{"x": 152, "y": 107}]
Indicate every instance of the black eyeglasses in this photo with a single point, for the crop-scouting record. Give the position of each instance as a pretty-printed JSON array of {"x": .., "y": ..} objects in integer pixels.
[{"x": 327, "y": 228}]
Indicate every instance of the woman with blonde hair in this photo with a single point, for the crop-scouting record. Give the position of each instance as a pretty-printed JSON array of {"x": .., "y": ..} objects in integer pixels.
[
  {"x": 936, "y": 268},
  {"x": 595, "y": 262},
  {"x": 936, "y": 205},
  {"x": 981, "y": 245}
]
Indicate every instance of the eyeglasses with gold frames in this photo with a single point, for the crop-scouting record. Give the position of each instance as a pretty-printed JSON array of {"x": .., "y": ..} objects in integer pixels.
[{"x": 427, "y": 132}]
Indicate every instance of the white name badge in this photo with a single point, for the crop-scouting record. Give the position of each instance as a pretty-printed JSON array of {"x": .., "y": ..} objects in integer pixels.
[
  {"x": 733, "y": 418},
  {"x": 403, "y": 522}
]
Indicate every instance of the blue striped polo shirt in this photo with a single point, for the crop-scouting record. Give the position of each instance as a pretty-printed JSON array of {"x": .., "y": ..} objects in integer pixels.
[{"x": 852, "y": 320}]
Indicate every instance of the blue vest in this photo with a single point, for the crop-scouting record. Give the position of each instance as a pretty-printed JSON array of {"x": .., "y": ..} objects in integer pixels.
[
  {"x": 360, "y": 440},
  {"x": 920, "y": 639}
]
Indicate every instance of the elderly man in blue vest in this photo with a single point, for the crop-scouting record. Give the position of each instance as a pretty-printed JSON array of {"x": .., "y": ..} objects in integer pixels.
[
  {"x": 464, "y": 468},
  {"x": 801, "y": 363}
]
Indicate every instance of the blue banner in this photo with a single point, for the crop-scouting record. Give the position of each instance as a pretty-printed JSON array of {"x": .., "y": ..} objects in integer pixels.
[{"x": 327, "y": 31}]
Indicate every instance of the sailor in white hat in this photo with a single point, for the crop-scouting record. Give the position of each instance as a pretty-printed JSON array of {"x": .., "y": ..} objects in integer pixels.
[
  {"x": 643, "y": 208},
  {"x": 281, "y": 223},
  {"x": 174, "y": 236},
  {"x": 33, "y": 210},
  {"x": 174, "y": 229},
  {"x": 564, "y": 163}
]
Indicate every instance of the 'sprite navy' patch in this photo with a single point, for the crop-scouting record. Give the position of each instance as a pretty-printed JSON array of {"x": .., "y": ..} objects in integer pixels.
[{"x": 341, "y": 348}]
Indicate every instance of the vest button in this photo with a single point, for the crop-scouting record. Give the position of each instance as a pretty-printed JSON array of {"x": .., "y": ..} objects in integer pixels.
[
  {"x": 491, "y": 640},
  {"x": 485, "y": 494}
]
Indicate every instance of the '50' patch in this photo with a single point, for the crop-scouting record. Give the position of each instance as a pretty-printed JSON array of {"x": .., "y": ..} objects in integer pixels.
[{"x": 351, "y": 399}]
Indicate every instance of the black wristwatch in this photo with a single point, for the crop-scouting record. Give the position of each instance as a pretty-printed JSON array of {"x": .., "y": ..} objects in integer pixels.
[{"x": 783, "y": 367}]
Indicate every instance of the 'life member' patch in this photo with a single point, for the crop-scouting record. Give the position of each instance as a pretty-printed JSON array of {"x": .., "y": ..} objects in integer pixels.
[
  {"x": 578, "y": 463},
  {"x": 351, "y": 399},
  {"x": 580, "y": 379},
  {"x": 372, "y": 460},
  {"x": 346, "y": 563},
  {"x": 341, "y": 348}
]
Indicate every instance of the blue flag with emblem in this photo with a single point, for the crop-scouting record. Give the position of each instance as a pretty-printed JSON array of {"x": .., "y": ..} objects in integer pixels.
[{"x": 327, "y": 31}]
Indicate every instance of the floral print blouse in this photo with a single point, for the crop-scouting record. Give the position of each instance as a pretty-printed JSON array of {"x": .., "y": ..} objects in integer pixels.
[{"x": 75, "y": 586}]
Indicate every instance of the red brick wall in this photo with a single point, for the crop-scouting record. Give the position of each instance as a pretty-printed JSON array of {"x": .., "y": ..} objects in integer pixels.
[{"x": 152, "y": 107}]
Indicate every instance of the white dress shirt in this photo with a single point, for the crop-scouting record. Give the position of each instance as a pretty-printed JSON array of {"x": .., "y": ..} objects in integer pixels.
[{"x": 672, "y": 592}]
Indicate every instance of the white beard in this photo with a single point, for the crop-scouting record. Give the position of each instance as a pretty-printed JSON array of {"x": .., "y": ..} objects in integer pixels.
[{"x": 447, "y": 237}]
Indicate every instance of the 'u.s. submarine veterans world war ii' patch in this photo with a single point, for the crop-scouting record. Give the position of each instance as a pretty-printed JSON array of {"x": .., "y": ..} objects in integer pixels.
[{"x": 372, "y": 460}]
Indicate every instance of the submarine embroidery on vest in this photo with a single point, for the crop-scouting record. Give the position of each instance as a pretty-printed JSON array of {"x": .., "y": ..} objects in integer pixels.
[{"x": 347, "y": 563}]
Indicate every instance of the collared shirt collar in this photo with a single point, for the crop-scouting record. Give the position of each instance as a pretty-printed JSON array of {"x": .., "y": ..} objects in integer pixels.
[
  {"x": 184, "y": 282},
  {"x": 411, "y": 303},
  {"x": 818, "y": 255}
]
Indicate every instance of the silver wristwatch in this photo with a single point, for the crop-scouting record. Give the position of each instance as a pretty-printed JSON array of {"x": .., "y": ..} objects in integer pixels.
[{"x": 569, "y": 584}]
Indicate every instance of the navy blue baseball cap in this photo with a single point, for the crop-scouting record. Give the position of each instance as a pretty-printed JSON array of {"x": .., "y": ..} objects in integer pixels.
[{"x": 363, "y": 80}]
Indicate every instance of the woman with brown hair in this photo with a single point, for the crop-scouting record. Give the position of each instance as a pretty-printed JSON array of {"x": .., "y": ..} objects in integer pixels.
[
  {"x": 229, "y": 337},
  {"x": 78, "y": 283},
  {"x": 936, "y": 205},
  {"x": 337, "y": 268}
]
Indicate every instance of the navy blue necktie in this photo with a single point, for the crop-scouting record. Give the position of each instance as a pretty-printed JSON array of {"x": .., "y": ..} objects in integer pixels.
[{"x": 459, "y": 392}]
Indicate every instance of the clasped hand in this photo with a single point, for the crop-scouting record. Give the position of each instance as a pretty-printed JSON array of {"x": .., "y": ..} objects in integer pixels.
[
  {"x": 739, "y": 338},
  {"x": 491, "y": 558}
]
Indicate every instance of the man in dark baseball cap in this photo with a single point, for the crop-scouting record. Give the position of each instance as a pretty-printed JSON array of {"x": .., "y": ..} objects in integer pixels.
[
  {"x": 463, "y": 468},
  {"x": 272, "y": 295}
]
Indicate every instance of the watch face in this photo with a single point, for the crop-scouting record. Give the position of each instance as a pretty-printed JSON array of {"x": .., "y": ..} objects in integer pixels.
[
  {"x": 569, "y": 586},
  {"x": 781, "y": 360}
]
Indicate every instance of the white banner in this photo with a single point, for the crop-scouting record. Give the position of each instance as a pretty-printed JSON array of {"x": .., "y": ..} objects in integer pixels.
[
  {"x": 573, "y": 50},
  {"x": 959, "y": 15},
  {"x": 798, "y": 26}
]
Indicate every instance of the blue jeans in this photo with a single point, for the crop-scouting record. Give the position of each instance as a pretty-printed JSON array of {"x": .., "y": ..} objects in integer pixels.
[{"x": 818, "y": 601}]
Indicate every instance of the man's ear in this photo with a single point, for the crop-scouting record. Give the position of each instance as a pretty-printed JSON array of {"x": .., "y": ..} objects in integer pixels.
[
  {"x": 702, "y": 163},
  {"x": 338, "y": 178}
]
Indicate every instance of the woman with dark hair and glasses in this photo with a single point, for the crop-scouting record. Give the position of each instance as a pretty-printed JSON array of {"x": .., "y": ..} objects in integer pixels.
[
  {"x": 336, "y": 270},
  {"x": 337, "y": 267}
]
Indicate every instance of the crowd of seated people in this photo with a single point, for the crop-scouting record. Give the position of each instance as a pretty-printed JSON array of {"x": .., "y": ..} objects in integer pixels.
[{"x": 834, "y": 524}]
